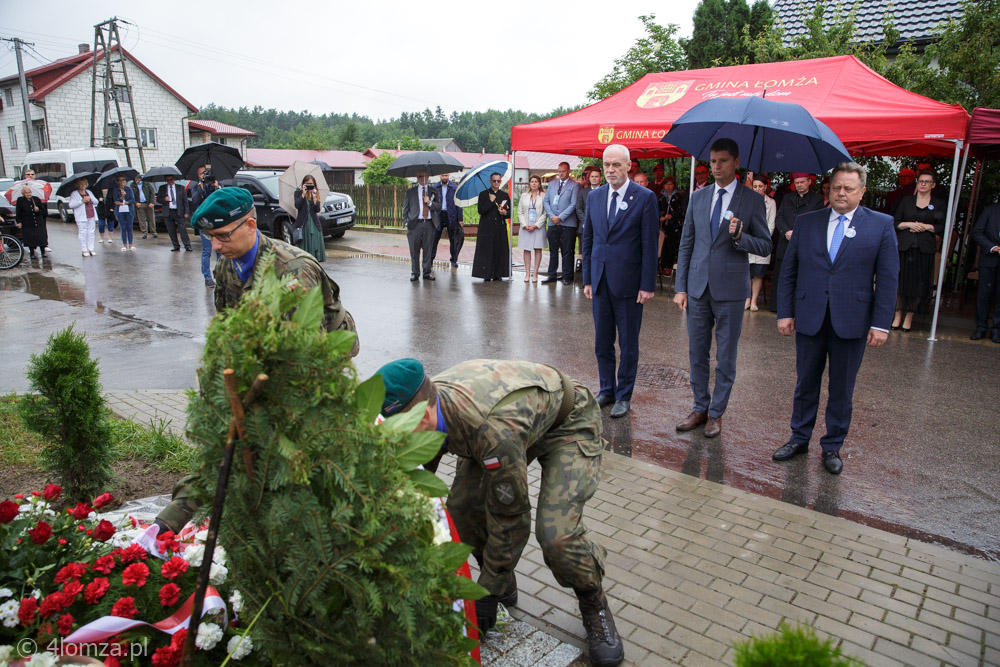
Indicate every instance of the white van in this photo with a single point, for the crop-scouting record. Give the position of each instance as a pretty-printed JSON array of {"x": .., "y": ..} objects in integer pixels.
[{"x": 54, "y": 166}]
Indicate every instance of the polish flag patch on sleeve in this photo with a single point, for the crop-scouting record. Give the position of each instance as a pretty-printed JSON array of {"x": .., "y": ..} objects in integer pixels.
[{"x": 491, "y": 463}]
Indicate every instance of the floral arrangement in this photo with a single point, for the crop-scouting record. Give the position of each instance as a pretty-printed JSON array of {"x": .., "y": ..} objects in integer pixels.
[{"x": 74, "y": 584}]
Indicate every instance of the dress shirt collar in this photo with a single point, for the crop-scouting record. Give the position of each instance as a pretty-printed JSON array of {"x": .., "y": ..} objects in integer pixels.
[
  {"x": 729, "y": 189},
  {"x": 849, "y": 215}
]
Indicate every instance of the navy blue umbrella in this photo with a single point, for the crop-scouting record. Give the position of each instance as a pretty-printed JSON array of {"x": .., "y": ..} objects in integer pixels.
[
  {"x": 478, "y": 179},
  {"x": 772, "y": 136}
]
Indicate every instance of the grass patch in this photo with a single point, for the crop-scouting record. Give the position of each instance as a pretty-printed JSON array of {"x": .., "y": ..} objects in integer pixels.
[
  {"x": 797, "y": 646},
  {"x": 153, "y": 443}
]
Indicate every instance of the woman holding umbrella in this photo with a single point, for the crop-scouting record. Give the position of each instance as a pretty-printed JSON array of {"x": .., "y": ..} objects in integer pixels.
[
  {"x": 492, "y": 258},
  {"x": 307, "y": 205},
  {"x": 84, "y": 206},
  {"x": 29, "y": 212}
]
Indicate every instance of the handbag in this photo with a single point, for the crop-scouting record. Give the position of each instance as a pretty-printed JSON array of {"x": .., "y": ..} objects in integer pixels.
[{"x": 297, "y": 235}]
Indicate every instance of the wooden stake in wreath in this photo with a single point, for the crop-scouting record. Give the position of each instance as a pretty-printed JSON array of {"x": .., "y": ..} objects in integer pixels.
[{"x": 236, "y": 432}]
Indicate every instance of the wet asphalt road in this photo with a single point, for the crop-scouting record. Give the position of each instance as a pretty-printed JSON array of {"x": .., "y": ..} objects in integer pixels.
[{"x": 921, "y": 458}]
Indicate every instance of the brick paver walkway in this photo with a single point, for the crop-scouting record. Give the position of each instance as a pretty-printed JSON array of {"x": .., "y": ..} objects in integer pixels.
[{"x": 694, "y": 566}]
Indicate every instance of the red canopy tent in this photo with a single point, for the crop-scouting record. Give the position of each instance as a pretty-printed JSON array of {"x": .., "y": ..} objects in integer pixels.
[
  {"x": 871, "y": 115},
  {"x": 984, "y": 133}
]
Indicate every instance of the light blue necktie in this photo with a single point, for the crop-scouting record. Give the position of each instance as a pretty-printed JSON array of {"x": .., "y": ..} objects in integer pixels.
[
  {"x": 717, "y": 214},
  {"x": 838, "y": 237},
  {"x": 614, "y": 209}
]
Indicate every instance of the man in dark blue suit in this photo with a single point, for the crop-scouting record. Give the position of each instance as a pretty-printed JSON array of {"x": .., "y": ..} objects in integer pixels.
[
  {"x": 986, "y": 234},
  {"x": 619, "y": 273},
  {"x": 724, "y": 223},
  {"x": 836, "y": 292},
  {"x": 450, "y": 216}
]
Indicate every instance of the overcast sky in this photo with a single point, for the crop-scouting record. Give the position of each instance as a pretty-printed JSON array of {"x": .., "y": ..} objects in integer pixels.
[{"x": 374, "y": 58}]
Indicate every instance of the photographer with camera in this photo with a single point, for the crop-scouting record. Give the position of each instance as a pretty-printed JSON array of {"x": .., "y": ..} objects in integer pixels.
[
  {"x": 307, "y": 232},
  {"x": 197, "y": 192}
]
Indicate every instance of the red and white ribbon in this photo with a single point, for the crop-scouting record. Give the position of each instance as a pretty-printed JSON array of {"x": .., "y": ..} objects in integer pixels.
[{"x": 108, "y": 626}]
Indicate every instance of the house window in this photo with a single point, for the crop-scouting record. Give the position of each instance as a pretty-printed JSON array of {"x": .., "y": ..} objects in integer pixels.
[
  {"x": 120, "y": 93},
  {"x": 40, "y": 136},
  {"x": 147, "y": 137},
  {"x": 12, "y": 136},
  {"x": 8, "y": 96},
  {"x": 221, "y": 140}
]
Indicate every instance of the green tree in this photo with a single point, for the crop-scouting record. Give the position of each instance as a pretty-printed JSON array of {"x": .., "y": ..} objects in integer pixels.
[
  {"x": 375, "y": 172},
  {"x": 329, "y": 529},
  {"x": 967, "y": 52},
  {"x": 406, "y": 142},
  {"x": 68, "y": 410},
  {"x": 494, "y": 143},
  {"x": 350, "y": 138},
  {"x": 658, "y": 51},
  {"x": 721, "y": 32}
]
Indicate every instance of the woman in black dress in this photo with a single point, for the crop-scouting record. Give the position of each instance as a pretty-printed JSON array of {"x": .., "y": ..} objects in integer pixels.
[
  {"x": 29, "y": 213},
  {"x": 919, "y": 221},
  {"x": 492, "y": 258}
]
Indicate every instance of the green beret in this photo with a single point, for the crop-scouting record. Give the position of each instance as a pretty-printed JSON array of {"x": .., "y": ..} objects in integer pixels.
[
  {"x": 223, "y": 206},
  {"x": 402, "y": 378}
]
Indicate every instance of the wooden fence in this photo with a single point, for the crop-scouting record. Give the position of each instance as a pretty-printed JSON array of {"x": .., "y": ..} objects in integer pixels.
[{"x": 381, "y": 206}]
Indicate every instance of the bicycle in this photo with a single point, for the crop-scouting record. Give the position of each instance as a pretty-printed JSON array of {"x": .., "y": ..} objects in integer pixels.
[{"x": 11, "y": 251}]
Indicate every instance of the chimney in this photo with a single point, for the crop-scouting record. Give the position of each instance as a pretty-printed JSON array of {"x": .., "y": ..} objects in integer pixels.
[{"x": 84, "y": 48}]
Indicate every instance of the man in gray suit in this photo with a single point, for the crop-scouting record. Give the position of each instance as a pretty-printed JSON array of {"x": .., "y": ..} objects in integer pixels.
[
  {"x": 560, "y": 206},
  {"x": 723, "y": 224},
  {"x": 420, "y": 213}
]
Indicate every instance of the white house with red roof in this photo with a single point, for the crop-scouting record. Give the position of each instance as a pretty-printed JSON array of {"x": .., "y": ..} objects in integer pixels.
[
  {"x": 201, "y": 131},
  {"x": 59, "y": 96}
]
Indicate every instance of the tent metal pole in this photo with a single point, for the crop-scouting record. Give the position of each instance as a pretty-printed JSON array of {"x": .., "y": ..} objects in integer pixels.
[
  {"x": 510, "y": 222},
  {"x": 948, "y": 223},
  {"x": 954, "y": 212},
  {"x": 694, "y": 163}
]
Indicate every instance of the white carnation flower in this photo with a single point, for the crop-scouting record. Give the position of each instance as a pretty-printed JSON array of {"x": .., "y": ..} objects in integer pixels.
[
  {"x": 43, "y": 660},
  {"x": 236, "y": 600},
  {"x": 8, "y": 613},
  {"x": 194, "y": 554},
  {"x": 219, "y": 555},
  {"x": 5, "y": 593},
  {"x": 6, "y": 653},
  {"x": 209, "y": 635},
  {"x": 217, "y": 575},
  {"x": 201, "y": 535},
  {"x": 239, "y": 647}
]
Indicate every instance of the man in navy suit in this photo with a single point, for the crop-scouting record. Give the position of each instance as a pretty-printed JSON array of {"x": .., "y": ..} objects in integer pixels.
[
  {"x": 560, "y": 206},
  {"x": 450, "y": 215},
  {"x": 619, "y": 273},
  {"x": 724, "y": 223},
  {"x": 986, "y": 234},
  {"x": 836, "y": 292}
]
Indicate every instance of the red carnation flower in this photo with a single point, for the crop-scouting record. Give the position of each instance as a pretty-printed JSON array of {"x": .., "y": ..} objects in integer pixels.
[
  {"x": 40, "y": 533},
  {"x": 104, "y": 564},
  {"x": 105, "y": 529},
  {"x": 132, "y": 552},
  {"x": 177, "y": 641},
  {"x": 167, "y": 541},
  {"x": 8, "y": 511},
  {"x": 63, "y": 542},
  {"x": 52, "y": 492},
  {"x": 166, "y": 656},
  {"x": 65, "y": 624},
  {"x": 125, "y": 608},
  {"x": 112, "y": 661},
  {"x": 80, "y": 512},
  {"x": 72, "y": 589},
  {"x": 36, "y": 494},
  {"x": 102, "y": 500},
  {"x": 95, "y": 590},
  {"x": 19, "y": 496},
  {"x": 81, "y": 527},
  {"x": 136, "y": 574},
  {"x": 54, "y": 602},
  {"x": 174, "y": 568},
  {"x": 169, "y": 594},
  {"x": 71, "y": 571},
  {"x": 26, "y": 612},
  {"x": 44, "y": 633}
]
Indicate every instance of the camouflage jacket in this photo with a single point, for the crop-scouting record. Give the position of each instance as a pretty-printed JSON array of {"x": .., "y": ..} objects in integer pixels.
[
  {"x": 501, "y": 415},
  {"x": 288, "y": 261}
]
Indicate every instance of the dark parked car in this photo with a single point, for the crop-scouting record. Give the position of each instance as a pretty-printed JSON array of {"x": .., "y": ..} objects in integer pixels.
[
  {"x": 338, "y": 214},
  {"x": 263, "y": 185}
]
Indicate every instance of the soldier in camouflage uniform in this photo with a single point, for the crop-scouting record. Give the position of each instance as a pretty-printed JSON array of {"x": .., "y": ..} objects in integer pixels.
[
  {"x": 229, "y": 219},
  {"x": 499, "y": 416}
]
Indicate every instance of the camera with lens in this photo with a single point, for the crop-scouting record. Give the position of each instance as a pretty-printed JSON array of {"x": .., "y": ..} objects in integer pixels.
[{"x": 310, "y": 186}]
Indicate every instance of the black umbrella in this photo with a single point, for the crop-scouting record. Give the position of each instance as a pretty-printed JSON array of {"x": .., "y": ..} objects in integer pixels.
[
  {"x": 224, "y": 161},
  {"x": 430, "y": 161},
  {"x": 157, "y": 174},
  {"x": 110, "y": 177},
  {"x": 68, "y": 185},
  {"x": 322, "y": 165}
]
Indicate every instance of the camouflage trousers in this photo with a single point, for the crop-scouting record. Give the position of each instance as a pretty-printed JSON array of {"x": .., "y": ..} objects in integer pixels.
[
  {"x": 181, "y": 507},
  {"x": 569, "y": 480}
]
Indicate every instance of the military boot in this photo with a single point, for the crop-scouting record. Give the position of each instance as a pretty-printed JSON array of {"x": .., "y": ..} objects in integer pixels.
[
  {"x": 606, "y": 647},
  {"x": 508, "y": 599}
]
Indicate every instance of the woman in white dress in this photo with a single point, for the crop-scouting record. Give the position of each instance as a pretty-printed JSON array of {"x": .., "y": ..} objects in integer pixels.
[
  {"x": 758, "y": 264},
  {"x": 84, "y": 206},
  {"x": 531, "y": 236}
]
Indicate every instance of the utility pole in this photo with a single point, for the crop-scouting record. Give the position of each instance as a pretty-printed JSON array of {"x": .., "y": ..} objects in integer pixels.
[
  {"x": 115, "y": 88},
  {"x": 24, "y": 87}
]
